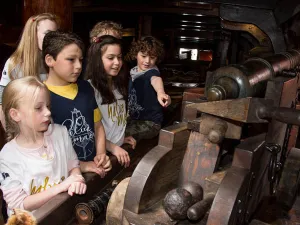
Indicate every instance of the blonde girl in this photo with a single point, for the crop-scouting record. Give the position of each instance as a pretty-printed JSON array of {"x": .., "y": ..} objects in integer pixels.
[
  {"x": 26, "y": 60},
  {"x": 38, "y": 162}
]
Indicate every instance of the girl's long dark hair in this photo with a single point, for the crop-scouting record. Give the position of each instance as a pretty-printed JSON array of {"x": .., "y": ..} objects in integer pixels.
[{"x": 96, "y": 72}]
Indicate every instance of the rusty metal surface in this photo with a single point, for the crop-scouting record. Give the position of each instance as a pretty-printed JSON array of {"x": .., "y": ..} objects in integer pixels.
[
  {"x": 262, "y": 18},
  {"x": 254, "y": 30},
  {"x": 200, "y": 159},
  {"x": 249, "y": 79}
]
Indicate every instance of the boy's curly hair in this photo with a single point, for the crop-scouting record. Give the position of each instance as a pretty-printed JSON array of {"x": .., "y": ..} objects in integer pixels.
[
  {"x": 104, "y": 27},
  {"x": 149, "y": 45}
]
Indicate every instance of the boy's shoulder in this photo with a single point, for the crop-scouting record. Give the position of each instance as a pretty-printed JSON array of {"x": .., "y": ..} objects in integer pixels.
[
  {"x": 84, "y": 84},
  {"x": 154, "y": 72},
  {"x": 150, "y": 73}
]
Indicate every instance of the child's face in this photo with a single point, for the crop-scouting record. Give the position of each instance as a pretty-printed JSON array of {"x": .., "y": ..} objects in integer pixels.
[
  {"x": 43, "y": 28},
  {"x": 67, "y": 66},
  {"x": 145, "y": 61},
  {"x": 34, "y": 115},
  {"x": 112, "y": 60}
]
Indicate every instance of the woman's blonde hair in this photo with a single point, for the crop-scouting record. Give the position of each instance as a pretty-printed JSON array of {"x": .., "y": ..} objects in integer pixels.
[
  {"x": 27, "y": 54},
  {"x": 12, "y": 94}
]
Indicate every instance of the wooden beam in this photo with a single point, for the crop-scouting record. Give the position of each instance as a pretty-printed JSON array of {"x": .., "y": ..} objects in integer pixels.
[{"x": 145, "y": 9}]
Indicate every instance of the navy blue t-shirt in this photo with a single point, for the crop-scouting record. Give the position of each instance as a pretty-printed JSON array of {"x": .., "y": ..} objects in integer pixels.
[
  {"x": 78, "y": 116},
  {"x": 142, "y": 102}
]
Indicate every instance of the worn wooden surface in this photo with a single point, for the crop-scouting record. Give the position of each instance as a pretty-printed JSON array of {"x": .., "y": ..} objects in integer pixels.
[
  {"x": 206, "y": 123},
  {"x": 114, "y": 212},
  {"x": 242, "y": 110},
  {"x": 288, "y": 187},
  {"x": 191, "y": 95},
  {"x": 233, "y": 204},
  {"x": 62, "y": 8},
  {"x": 155, "y": 214},
  {"x": 284, "y": 93},
  {"x": 157, "y": 173},
  {"x": 212, "y": 183},
  {"x": 200, "y": 159}
]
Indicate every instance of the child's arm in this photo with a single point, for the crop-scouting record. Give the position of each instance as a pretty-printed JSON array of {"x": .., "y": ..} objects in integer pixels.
[
  {"x": 77, "y": 187},
  {"x": 35, "y": 201},
  {"x": 101, "y": 158},
  {"x": 120, "y": 153},
  {"x": 158, "y": 86},
  {"x": 16, "y": 197}
]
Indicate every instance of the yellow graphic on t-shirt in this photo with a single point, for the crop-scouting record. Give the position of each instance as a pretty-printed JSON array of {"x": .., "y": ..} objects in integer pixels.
[
  {"x": 117, "y": 113},
  {"x": 34, "y": 189}
]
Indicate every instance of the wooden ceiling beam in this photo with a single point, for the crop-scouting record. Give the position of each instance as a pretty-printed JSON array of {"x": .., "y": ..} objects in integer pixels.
[{"x": 145, "y": 9}]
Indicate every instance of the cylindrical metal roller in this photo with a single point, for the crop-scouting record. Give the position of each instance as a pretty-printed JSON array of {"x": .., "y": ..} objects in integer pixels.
[
  {"x": 87, "y": 212},
  {"x": 284, "y": 115},
  {"x": 249, "y": 79},
  {"x": 218, "y": 131},
  {"x": 198, "y": 210}
]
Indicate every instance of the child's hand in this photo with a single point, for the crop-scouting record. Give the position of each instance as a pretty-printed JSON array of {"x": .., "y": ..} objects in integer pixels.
[
  {"x": 122, "y": 156},
  {"x": 163, "y": 99},
  {"x": 92, "y": 167},
  {"x": 100, "y": 159},
  {"x": 103, "y": 161},
  {"x": 78, "y": 188},
  {"x": 70, "y": 180},
  {"x": 130, "y": 140}
]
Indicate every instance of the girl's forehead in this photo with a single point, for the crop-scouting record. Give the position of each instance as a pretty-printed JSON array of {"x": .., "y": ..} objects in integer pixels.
[
  {"x": 32, "y": 94},
  {"x": 112, "y": 48}
]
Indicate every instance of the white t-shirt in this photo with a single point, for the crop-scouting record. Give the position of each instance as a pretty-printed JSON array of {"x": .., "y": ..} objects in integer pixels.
[
  {"x": 114, "y": 117},
  {"x": 16, "y": 73},
  {"x": 23, "y": 174}
]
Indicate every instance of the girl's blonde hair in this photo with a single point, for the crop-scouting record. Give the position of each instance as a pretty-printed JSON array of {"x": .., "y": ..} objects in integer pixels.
[
  {"x": 12, "y": 94},
  {"x": 27, "y": 54}
]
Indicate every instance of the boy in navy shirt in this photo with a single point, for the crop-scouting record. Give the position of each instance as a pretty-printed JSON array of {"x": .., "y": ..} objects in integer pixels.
[
  {"x": 73, "y": 101},
  {"x": 146, "y": 90}
]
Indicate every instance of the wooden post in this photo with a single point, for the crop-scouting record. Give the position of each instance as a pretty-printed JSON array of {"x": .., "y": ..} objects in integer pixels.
[
  {"x": 147, "y": 25},
  {"x": 62, "y": 8}
]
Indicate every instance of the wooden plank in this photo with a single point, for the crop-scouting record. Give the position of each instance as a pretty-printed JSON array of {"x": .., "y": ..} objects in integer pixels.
[
  {"x": 200, "y": 159},
  {"x": 243, "y": 110},
  {"x": 154, "y": 215}
]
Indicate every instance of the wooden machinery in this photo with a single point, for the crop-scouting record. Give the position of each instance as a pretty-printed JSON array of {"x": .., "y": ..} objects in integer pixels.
[{"x": 237, "y": 140}]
